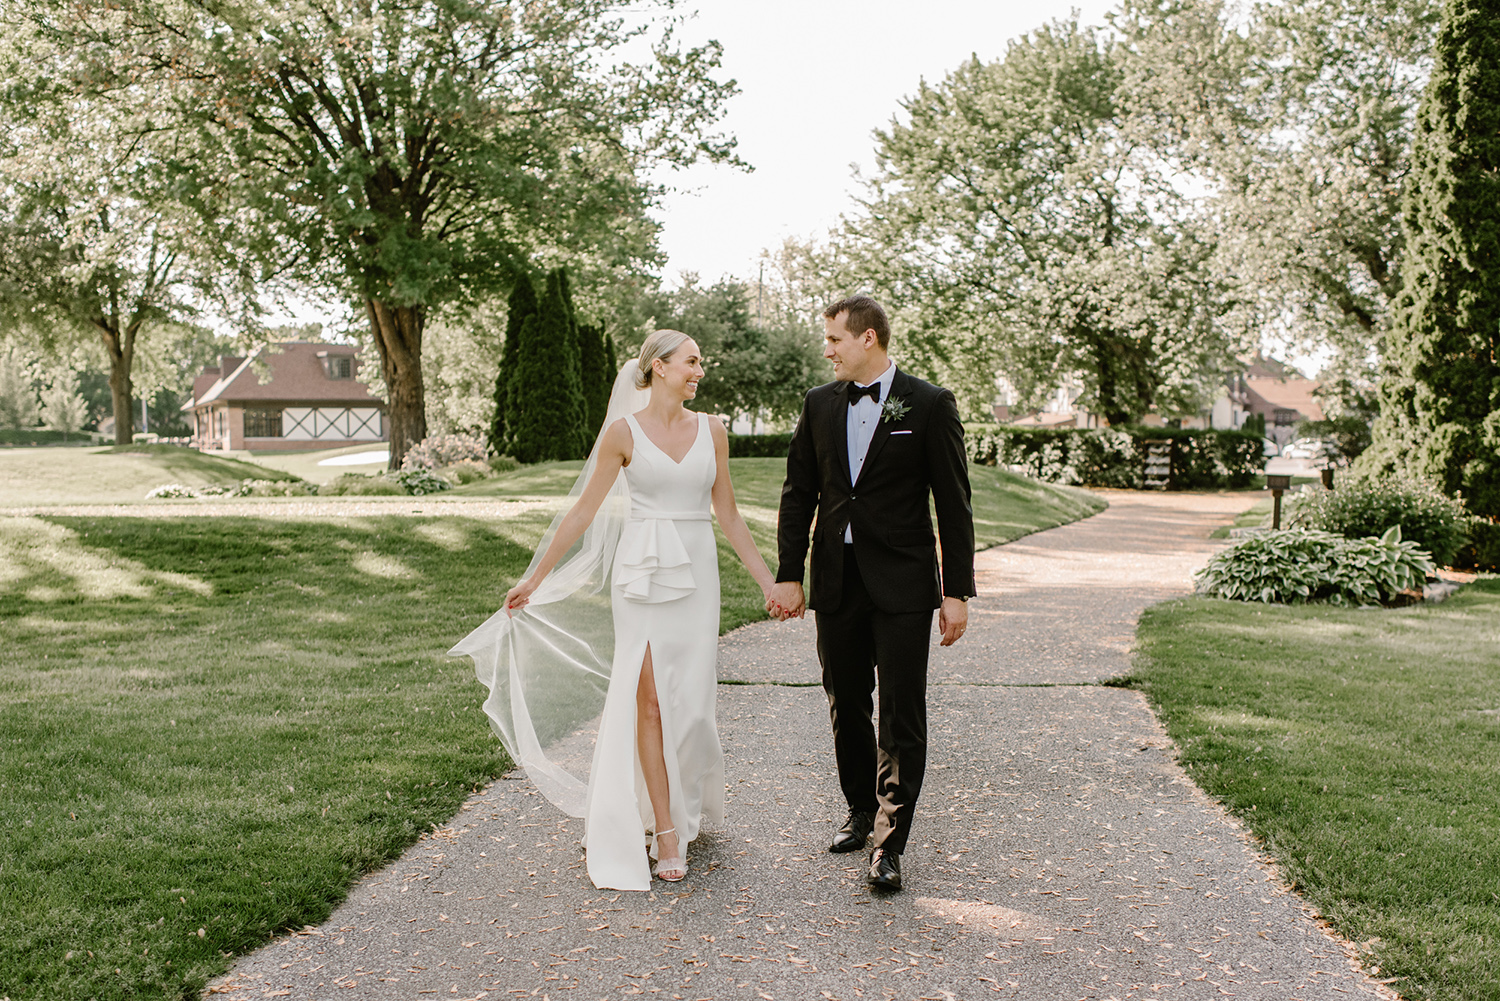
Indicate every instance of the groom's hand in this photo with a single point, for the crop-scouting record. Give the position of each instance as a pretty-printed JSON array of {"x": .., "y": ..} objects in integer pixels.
[
  {"x": 953, "y": 619},
  {"x": 786, "y": 600}
]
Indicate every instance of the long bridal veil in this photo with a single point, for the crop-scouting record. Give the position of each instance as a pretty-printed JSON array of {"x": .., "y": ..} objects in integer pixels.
[{"x": 547, "y": 667}]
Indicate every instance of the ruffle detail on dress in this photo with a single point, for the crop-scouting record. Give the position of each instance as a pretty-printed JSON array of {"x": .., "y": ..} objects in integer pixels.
[{"x": 652, "y": 565}]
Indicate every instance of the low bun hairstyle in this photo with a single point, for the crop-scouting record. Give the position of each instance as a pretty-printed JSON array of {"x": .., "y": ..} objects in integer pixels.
[{"x": 661, "y": 344}]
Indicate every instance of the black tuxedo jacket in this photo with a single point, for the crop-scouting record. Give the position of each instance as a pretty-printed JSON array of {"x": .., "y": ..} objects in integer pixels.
[{"x": 921, "y": 454}]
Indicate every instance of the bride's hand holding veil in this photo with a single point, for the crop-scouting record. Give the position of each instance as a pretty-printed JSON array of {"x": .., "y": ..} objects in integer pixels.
[
  {"x": 611, "y": 454},
  {"x": 517, "y": 597}
]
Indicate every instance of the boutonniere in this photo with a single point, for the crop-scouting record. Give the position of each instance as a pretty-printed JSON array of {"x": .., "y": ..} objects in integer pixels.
[{"x": 893, "y": 409}]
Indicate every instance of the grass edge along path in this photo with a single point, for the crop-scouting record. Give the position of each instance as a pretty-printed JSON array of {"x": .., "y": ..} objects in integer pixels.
[
  {"x": 1360, "y": 747},
  {"x": 210, "y": 728}
]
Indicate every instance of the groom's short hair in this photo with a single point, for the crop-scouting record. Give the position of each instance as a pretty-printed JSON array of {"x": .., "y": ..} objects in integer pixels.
[{"x": 864, "y": 314}]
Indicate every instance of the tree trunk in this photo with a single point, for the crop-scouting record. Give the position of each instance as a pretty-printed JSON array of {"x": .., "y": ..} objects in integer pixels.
[
  {"x": 398, "y": 334},
  {"x": 120, "y": 347}
]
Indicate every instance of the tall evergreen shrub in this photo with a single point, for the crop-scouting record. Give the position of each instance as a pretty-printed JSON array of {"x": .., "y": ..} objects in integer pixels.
[
  {"x": 611, "y": 360},
  {"x": 1440, "y": 398},
  {"x": 546, "y": 392},
  {"x": 595, "y": 369},
  {"x": 522, "y": 304}
]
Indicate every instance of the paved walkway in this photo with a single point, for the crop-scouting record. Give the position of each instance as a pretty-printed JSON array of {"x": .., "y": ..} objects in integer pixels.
[{"x": 1059, "y": 852}]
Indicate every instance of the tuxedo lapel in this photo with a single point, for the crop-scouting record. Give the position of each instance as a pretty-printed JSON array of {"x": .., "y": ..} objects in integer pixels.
[
  {"x": 883, "y": 427},
  {"x": 838, "y": 427}
]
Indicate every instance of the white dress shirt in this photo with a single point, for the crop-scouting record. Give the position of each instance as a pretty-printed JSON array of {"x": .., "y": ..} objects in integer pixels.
[{"x": 863, "y": 416}]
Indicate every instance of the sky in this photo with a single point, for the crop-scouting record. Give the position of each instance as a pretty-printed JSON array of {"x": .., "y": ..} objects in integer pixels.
[{"x": 817, "y": 78}]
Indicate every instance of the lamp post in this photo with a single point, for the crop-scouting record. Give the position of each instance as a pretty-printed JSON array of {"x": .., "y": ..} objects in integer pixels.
[{"x": 1277, "y": 483}]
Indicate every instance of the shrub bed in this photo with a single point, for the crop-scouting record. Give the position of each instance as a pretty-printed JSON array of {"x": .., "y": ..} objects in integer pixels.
[
  {"x": 467, "y": 471},
  {"x": 1116, "y": 457},
  {"x": 1371, "y": 506},
  {"x": 759, "y": 446},
  {"x": 360, "y": 485},
  {"x": 1483, "y": 548},
  {"x": 1297, "y": 566},
  {"x": 418, "y": 482},
  {"x": 436, "y": 451}
]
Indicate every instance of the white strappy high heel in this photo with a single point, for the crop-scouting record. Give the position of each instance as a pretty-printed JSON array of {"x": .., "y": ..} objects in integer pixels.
[{"x": 669, "y": 869}]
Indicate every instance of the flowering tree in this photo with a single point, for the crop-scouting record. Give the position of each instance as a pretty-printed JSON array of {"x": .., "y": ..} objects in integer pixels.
[
  {"x": 403, "y": 155},
  {"x": 93, "y": 240}
]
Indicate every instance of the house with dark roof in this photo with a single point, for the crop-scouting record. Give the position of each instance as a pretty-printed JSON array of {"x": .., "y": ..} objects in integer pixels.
[
  {"x": 1264, "y": 386},
  {"x": 1282, "y": 394},
  {"x": 298, "y": 395}
]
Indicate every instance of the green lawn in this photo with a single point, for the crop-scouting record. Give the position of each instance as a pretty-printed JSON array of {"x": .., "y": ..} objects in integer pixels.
[
  {"x": 209, "y": 727},
  {"x": 1363, "y": 748},
  {"x": 121, "y": 474},
  {"x": 1006, "y": 507}
]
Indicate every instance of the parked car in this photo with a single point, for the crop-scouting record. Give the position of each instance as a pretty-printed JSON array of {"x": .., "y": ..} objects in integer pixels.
[
  {"x": 1269, "y": 448},
  {"x": 1309, "y": 448}
]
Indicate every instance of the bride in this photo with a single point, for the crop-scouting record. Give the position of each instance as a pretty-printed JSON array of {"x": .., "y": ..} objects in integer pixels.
[{"x": 554, "y": 659}]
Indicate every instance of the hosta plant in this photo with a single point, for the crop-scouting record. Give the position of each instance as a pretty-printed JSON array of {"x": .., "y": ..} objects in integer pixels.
[
  {"x": 420, "y": 481},
  {"x": 1296, "y": 566}
]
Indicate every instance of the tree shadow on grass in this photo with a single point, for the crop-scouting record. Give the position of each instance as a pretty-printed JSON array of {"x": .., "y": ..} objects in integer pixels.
[{"x": 219, "y": 724}]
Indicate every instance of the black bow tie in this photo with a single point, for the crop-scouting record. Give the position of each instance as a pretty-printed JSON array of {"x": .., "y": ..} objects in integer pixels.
[{"x": 872, "y": 391}]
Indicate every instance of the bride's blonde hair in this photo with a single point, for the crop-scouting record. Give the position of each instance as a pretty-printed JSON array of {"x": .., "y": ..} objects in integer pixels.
[{"x": 661, "y": 344}]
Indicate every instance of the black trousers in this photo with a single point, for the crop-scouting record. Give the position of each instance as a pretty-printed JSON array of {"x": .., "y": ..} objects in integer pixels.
[{"x": 858, "y": 644}]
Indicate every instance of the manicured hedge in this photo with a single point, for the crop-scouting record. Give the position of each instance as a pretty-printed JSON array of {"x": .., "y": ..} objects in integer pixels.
[
  {"x": 43, "y": 436},
  {"x": 1116, "y": 457},
  {"x": 1483, "y": 550},
  {"x": 759, "y": 446}
]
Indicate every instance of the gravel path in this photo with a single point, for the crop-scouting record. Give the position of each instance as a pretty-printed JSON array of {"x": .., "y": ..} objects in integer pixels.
[{"x": 1059, "y": 852}]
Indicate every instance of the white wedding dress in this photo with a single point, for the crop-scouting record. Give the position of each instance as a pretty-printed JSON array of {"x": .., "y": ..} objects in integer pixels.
[
  {"x": 646, "y": 573},
  {"x": 665, "y": 595}
]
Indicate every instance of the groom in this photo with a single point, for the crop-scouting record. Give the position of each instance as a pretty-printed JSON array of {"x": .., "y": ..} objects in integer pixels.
[{"x": 868, "y": 449}]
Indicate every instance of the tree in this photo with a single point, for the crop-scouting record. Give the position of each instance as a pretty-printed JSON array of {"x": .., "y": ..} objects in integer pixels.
[
  {"x": 1298, "y": 121},
  {"x": 63, "y": 408},
  {"x": 403, "y": 156},
  {"x": 595, "y": 370},
  {"x": 589, "y": 368},
  {"x": 521, "y": 306},
  {"x": 92, "y": 240},
  {"x": 546, "y": 392},
  {"x": 459, "y": 352},
  {"x": 1440, "y": 399},
  {"x": 611, "y": 359},
  {"x": 1026, "y": 223},
  {"x": 750, "y": 371},
  {"x": 17, "y": 394}
]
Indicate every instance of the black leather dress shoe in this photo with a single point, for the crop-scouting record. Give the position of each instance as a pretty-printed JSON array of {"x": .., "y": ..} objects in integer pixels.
[
  {"x": 885, "y": 870},
  {"x": 856, "y": 830}
]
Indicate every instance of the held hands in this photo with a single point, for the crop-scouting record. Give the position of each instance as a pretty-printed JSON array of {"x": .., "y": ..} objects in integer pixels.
[
  {"x": 784, "y": 600},
  {"x": 953, "y": 619}
]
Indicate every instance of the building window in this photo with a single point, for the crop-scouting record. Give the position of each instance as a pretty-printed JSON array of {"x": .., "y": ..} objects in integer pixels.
[
  {"x": 262, "y": 423},
  {"x": 339, "y": 366},
  {"x": 1284, "y": 418}
]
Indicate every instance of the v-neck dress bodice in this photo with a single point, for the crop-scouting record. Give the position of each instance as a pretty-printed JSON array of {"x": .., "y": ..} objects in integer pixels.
[
  {"x": 665, "y": 596},
  {"x": 652, "y": 563}
]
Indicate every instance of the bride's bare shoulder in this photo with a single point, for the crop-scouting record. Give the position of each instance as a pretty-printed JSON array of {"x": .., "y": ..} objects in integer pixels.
[{"x": 618, "y": 439}]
